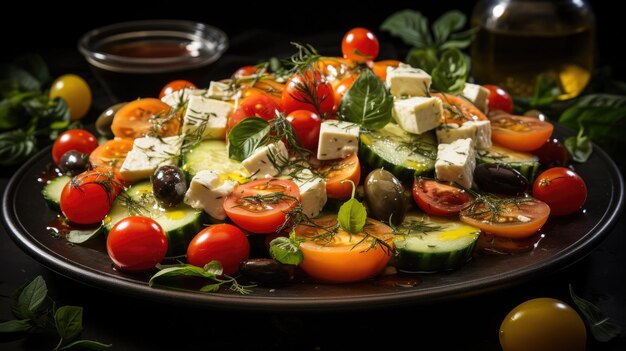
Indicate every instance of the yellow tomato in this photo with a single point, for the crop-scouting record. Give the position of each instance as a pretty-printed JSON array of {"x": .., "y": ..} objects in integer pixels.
[{"x": 76, "y": 93}]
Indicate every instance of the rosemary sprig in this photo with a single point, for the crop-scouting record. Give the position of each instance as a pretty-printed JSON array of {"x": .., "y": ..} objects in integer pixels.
[{"x": 302, "y": 60}]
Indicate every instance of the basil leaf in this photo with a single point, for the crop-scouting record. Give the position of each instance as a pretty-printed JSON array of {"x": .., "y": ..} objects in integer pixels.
[
  {"x": 450, "y": 74},
  {"x": 180, "y": 271},
  {"x": 69, "y": 321},
  {"x": 352, "y": 216},
  {"x": 25, "y": 80},
  {"x": 609, "y": 100},
  {"x": 448, "y": 23},
  {"x": 35, "y": 66},
  {"x": 460, "y": 40},
  {"x": 423, "y": 59},
  {"x": 76, "y": 236},
  {"x": 211, "y": 287},
  {"x": 246, "y": 136},
  {"x": 26, "y": 301},
  {"x": 410, "y": 26},
  {"x": 16, "y": 326},
  {"x": 286, "y": 250},
  {"x": 368, "y": 102},
  {"x": 214, "y": 268},
  {"x": 580, "y": 146},
  {"x": 602, "y": 327},
  {"x": 86, "y": 344},
  {"x": 547, "y": 90},
  {"x": 16, "y": 146}
]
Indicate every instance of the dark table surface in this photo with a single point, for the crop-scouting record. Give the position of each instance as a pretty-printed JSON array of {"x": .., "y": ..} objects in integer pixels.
[{"x": 136, "y": 324}]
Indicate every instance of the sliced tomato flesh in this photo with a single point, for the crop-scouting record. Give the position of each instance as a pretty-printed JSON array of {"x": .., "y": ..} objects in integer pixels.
[{"x": 439, "y": 198}]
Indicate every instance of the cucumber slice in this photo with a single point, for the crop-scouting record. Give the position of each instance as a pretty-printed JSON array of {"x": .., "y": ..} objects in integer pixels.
[
  {"x": 429, "y": 244},
  {"x": 212, "y": 155},
  {"x": 180, "y": 223},
  {"x": 403, "y": 154},
  {"x": 53, "y": 189},
  {"x": 527, "y": 164}
]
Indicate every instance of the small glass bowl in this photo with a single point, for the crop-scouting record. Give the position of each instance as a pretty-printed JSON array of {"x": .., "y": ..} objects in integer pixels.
[{"x": 136, "y": 59}]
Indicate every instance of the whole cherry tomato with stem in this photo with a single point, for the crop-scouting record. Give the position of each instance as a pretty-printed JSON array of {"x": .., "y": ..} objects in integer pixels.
[
  {"x": 562, "y": 189},
  {"x": 360, "y": 45}
]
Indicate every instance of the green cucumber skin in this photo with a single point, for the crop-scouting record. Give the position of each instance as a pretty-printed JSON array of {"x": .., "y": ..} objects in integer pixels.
[
  {"x": 52, "y": 191},
  {"x": 422, "y": 262},
  {"x": 527, "y": 169}
]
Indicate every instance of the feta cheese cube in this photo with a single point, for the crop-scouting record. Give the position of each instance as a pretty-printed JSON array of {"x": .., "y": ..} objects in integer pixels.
[
  {"x": 456, "y": 162},
  {"x": 405, "y": 80},
  {"x": 418, "y": 114},
  {"x": 208, "y": 116},
  {"x": 221, "y": 91},
  {"x": 147, "y": 154},
  {"x": 477, "y": 95},
  {"x": 338, "y": 139},
  {"x": 312, "y": 190},
  {"x": 483, "y": 134},
  {"x": 266, "y": 161},
  {"x": 447, "y": 133},
  {"x": 207, "y": 192},
  {"x": 179, "y": 97}
]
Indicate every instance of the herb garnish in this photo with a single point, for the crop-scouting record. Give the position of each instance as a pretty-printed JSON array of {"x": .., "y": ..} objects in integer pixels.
[
  {"x": 368, "y": 102},
  {"x": 212, "y": 272}
]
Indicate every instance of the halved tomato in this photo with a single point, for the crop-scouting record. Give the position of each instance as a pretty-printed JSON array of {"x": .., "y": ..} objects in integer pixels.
[
  {"x": 440, "y": 198},
  {"x": 137, "y": 118},
  {"x": 266, "y": 87},
  {"x": 334, "y": 255},
  {"x": 380, "y": 68},
  {"x": 341, "y": 87},
  {"x": 334, "y": 68},
  {"x": 520, "y": 133},
  {"x": 458, "y": 110},
  {"x": 515, "y": 217},
  {"x": 260, "y": 206},
  {"x": 111, "y": 155},
  {"x": 337, "y": 173}
]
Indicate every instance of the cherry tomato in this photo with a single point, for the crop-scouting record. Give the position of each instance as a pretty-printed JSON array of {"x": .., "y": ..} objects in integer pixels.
[
  {"x": 307, "y": 126},
  {"x": 341, "y": 88},
  {"x": 260, "y": 206},
  {"x": 136, "y": 243},
  {"x": 221, "y": 242},
  {"x": 267, "y": 87},
  {"x": 334, "y": 68},
  {"x": 254, "y": 106},
  {"x": 176, "y": 85},
  {"x": 543, "y": 324},
  {"x": 88, "y": 197},
  {"x": 308, "y": 91},
  {"x": 562, "y": 189},
  {"x": 515, "y": 219},
  {"x": 344, "y": 257},
  {"x": 73, "y": 139},
  {"x": 439, "y": 199},
  {"x": 520, "y": 133},
  {"x": 458, "y": 110},
  {"x": 137, "y": 118},
  {"x": 337, "y": 172},
  {"x": 360, "y": 45},
  {"x": 111, "y": 155},
  {"x": 499, "y": 99},
  {"x": 76, "y": 93},
  {"x": 245, "y": 71},
  {"x": 552, "y": 153}
]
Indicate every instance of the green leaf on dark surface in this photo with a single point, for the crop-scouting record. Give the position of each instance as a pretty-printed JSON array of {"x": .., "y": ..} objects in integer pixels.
[
  {"x": 25, "y": 80},
  {"x": 368, "y": 102},
  {"x": 179, "y": 271},
  {"x": 77, "y": 236},
  {"x": 16, "y": 146},
  {"x": 211, "y": 287},
  {"x": 579, "y": 146},
  {"x": 602, "y": 327},
  {"x": 460, "y": 40},
  {"x": 214, "y": 268},
  {"x": 16, "y": 326},
  {"x": 410, "y": 26},
  {"x": 27, "y": 300},
  {"x": 35, "y": 66},
  {"x": 547, "y": 90},
  {"x": 69, "y": 322},
  {"x": 451, "y": 72},
  {"x": 86, "y": 344},
  {"x": 423, "y": 59},
  {"x": 246, "y": 137},
  {"x": 352, "y": 216},
  {"x": 287, "y": 250},
  {"x": 607, "y": 100},
  {"x": 447, "y": 24}
]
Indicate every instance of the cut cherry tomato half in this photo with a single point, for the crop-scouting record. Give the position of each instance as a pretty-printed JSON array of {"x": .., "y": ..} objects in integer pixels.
[
  {"x": 260, "y": 206},
  {"x": 440, "y": 198},
  {"x": 139, "y": 117},
  {"x": 458, "y": 110},
  {"x": 266, "y": 87},
  {"x": 520, "y": 133},
  {"x": 380, "y": 68},
  {"x": 111, "y": 155},
  {"x": 337, "y": 173},
  {"x": 176, "y": 85}
]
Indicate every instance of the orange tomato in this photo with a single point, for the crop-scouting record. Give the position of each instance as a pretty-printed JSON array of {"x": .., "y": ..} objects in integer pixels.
[
  {"x": 337, "y": 173},
  {"x": 340, "y": 87},
  {"x": 267, "y": 87},
  {"x": 138, "y": 117},
  {"x": 380, "y": 68},
  {"x": 343, "y": 257},
  {"x": 520, "y": 133},
  {"x": 458, "y": 110},
  {"x": 176, "y": 85},
  {"x": 111, "y": 154},
  {"x": 334, "y": 68}
]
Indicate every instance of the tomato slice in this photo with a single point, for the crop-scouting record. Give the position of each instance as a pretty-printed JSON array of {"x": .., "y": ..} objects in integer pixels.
[
  {"x": 515, "y": 219},
  {"x": 266, "y": 87},
  {"x": 458, "y": 110},
  {"x": 139, "y": 117},
  {"x": 337, "y": 173},
  {"x": 520, "y": 133},
  {"x": 439, "y": 198},
  {"x": 380, "y": 68},
  {"x": 260, "y": 206},
  {"x": 111, "y": 155},
  {"x": 343, "y": 257}
]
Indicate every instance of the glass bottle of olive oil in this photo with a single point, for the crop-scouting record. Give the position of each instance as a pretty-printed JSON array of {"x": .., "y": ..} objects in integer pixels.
[{"x": 521, "y": 41}]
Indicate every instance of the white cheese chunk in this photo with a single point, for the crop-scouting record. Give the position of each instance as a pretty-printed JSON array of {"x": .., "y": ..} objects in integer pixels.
[
  {"x": 220, "y": 91},
  {"x": 266, "y": 161},
  {"x": 208, "y": 116},
  {"x": 447, "y": 133},
  {"x": 148, "y": 154},
  {"x": 418, "y": 114},
  {"x": 405, "y": 80},
  {"x": 207, "y": 191},
  {"x": 456, "y": 162},
  {"x": 477, "y": 95},
  {"x": 179, "y": 97},
  {"x": 338, "y": 139},
  {"x": 483, "y": 134},
  {"x": 312, "y": 189}
]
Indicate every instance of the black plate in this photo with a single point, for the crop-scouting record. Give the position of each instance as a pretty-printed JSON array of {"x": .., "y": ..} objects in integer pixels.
[{"x": 566, "y": 240}]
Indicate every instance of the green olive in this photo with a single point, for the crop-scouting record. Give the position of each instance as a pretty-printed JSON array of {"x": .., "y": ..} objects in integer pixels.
[
  {"x": 103, "y": 123},
  {"x": 384, "y": 195}
]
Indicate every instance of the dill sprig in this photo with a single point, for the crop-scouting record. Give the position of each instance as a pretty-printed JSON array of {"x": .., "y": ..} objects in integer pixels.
[
  {"x": 306, "y": 88},
  {"x": 104, "y": 179},
  {"x": 302, "y": 60},
  {"x": 282, "y": 129},
  {"x": 418, "y": 147},
  {"x": 488, "y": 207},
  {"x": 414, "y": 227}
]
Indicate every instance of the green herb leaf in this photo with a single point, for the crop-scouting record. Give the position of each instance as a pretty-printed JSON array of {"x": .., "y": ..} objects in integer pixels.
[
  {"x": 460, "y": 40},
  {"x": 179, "y": 271},
  {"x": 410, "y": 26},
  {"x": 16, "y": 326},
  {"x": 246, "y": 136},
  {"x": 423, "y": 59},
  {"x": 69, "y": 322},
  {"x": 86, "y": 344},
  {"x": 27, "y": 300},
  {"x": 211, "y": 287},
  {"x": 35, "y": 66},
  {"x": 25, "y": 80},
  {"x": 287, "y": 250},
  {"x": 368, "y": 102},
  {"x": 352, "y": 215},
  {"x": 77, "y": 236},
  {"x": 547, "y": 90},
  {"x": 580, "y": 146},
  {"x": 451, "y": 72},
  {"x": 608, "y": 100},
  {"x": 214, "y": 268},
  {"x": 16, "y": 146},
  {"x": 602, "y": 327},
  {"x": 448, "y": 23}
]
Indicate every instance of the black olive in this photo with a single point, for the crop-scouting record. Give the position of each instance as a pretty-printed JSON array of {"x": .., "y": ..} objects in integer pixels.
[
  {"x": 500, "y": 178},
  {"x": 169, "y": 185},
  {"x": 103, "y": 123},
  {"x": 74, "y": 162},
  {"x": 266, "y": 271},
  {"x": 385, "y": 196}
]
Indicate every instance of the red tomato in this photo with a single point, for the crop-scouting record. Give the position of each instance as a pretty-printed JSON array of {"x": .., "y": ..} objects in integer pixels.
[
  {"x": 260, "y": 206},
  {"x": 245, "y": 71},
  {"x": 552, "y": 153},
  {"x": 254, "y": 106},
  {"x": 499, "y": 99},
  {"x": 88, "y": 197},
  {"x": 520, "y": 133},
  {"x": 136, "y": 243},
  {"x": 307, "y": 126},
  {"x": 73, "y": 139},
  {"x": 221, "y": 242},
  {"x": 562, "y": 189},
  {"x": 360, "y": 45},
  {"x": 513, "y": 220},
  {"x": 308, "y": 91},
  {"x": 337, "y": 173},
  {"x": 439, "y": 199},
  {"x": 176, "y": 85},
  {"x": 342, "y": 87}
]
